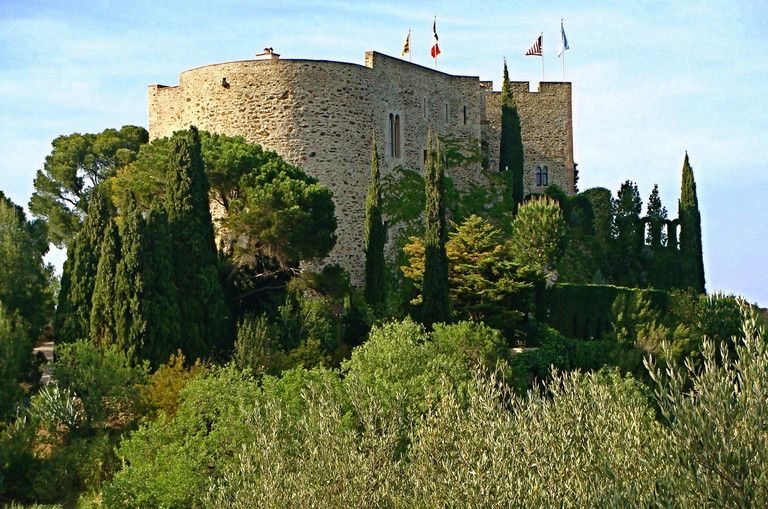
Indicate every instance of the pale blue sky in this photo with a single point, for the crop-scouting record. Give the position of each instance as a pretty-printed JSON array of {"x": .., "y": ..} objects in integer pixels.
[{"x": 650, "y": 80}]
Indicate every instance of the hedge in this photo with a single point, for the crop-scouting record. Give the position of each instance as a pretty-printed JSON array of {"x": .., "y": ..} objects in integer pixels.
[{"x": 584, "y": 311}]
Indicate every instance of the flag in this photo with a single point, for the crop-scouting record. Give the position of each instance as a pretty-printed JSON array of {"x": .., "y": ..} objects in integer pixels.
[
  {"x": 406, "y": 45},
  {"x": 536, "y": 50},
  {"x": 563, "y": 41},
  {"x": 435, "y": 48}
]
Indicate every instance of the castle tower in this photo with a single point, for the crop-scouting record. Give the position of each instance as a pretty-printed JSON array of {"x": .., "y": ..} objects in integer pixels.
[{"x": 319, "y": 115}]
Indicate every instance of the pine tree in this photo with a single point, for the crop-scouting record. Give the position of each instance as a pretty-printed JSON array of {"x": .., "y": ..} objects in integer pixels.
[
  {"x": 656, "y": 215},
  {"x": 511, "y": 146},
  {"x": 102, "y": 323},
  {"x": 375, "y": 238},
  {"x": 75, "y": 303},
  {"x": 691, "y": 254},
  {"x": 201, "y": 299},
  {"x": 435, "y": 305}
]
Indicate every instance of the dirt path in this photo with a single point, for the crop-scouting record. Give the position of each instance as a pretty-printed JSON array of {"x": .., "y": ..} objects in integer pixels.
[{"x": 47, "y": 350}]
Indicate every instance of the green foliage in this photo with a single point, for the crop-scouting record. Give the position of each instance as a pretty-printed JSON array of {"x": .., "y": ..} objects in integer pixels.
[
  {"x": 484, "y": 284},
  {"x": 716, "y": 415},
  {"x": 657, "y": 217},
  {"x": 73, "y": 313},
  {"x": 603, "y": 210},
  {"x": 15, "y": 360},
  {"x": 77, "y": 164},
  {"x": 102, "y": 324},
  {"x": 169, "y": 463},
  {"x": 538, "y": 236},
  {"x": 160, "y": 395},
  {"x": 202, "y": 311},
  {"x": 25, "y": 280},
  {"x": 511, "y": 146},
  {"x": 626, "y": 255},
  {"x": 691, "y": 256},
  {"x": 102, "y": 379},
  {"x": 375, "y": 238},
  {"x": 586, "y": 311},
  {"x": 435, "y": 306},
  {"x": 282, "y": 213}
]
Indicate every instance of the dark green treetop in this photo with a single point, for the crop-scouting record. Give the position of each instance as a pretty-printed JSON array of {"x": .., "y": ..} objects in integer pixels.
[
  {"x": 73, "y": 313},
  {"x": 435, "y": 305},
  {"x": 691, "y": 252},
  {"x": 375, "y": 238},
  {"x": 511, "y": 147},
  {"x": 194, "y": 259}
]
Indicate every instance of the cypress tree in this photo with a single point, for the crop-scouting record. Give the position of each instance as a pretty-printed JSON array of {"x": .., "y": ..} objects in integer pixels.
[
  {"x": 83, "y": 260},
  {"x": 130, "y": 322},
  {"x": 435, "y": 305},
  {"x": 102, "y": 323},
  {"x": 375, "y": 238},
  {"x": 160, "y": 298},
  {"x": 656, "y": 215},
  {"x": 628, "y": 244},
  {"x": 691, "y": 254},
  {"x": 202, "y": 309},
  {"x": 511, "y": 146}
]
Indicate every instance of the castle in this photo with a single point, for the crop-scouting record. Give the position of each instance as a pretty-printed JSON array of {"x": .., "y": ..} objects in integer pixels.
[{"x": 320, "y": 115}]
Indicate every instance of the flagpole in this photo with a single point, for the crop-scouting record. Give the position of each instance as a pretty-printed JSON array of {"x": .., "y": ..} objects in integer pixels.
[
  {"x": 542, "y": 55},
  {"x": 562, "y": 44}
]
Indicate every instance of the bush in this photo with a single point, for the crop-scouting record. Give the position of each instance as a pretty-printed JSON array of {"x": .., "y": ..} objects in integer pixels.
[
  {"x": 103, "y": 379},
  {"x": 161, "y": 395}
]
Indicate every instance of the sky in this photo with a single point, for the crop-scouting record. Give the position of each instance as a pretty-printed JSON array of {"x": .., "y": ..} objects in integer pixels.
[{"x": 651, "y": 80}]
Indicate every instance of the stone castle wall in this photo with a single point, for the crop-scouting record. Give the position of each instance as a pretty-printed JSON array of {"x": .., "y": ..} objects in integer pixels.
[
  {"x": 320, "y": 115},
  {"x": 546, "y": 124}
]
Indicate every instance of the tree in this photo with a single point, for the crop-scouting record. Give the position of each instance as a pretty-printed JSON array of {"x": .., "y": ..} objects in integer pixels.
[
  {"x": 102, "y": 323},
  {"x": 511, "y": 147},
  {"x": 691, "y": 254},
  {"x": 375, "y": 238},
  {"x": 77, "y": 164},
  {"x": 538, "y": 236},
  {"x": 201, "y": 299},
  {"x": 656, "y": 215},
  {"x": 25, "y": 280},
  {"x": 435, "y": 305},
  {"x": 73, "y": 313},
  {"x": 484, "y": 283},
  {"x": 629, "y": 239},
  {"x": 15, "y": 359}
]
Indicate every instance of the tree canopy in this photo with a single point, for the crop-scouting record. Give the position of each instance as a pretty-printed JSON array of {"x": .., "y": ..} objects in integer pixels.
[{"x": 77, "y": 164}]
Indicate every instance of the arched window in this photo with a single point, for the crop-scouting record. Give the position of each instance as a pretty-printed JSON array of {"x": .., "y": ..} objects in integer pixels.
[
  {"x": 397, "y": 135},
  {"x": 391, "y": 135},
  {"x": 542, "y": 176}
]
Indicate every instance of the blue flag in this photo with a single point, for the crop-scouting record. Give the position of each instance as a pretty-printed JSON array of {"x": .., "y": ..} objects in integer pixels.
[{"x": 563, "y": 41}]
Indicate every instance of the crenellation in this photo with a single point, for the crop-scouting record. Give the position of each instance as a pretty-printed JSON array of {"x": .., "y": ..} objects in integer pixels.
[{"x": 320, "y": 115}]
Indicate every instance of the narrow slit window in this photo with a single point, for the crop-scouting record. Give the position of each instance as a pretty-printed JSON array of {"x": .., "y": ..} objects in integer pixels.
[
  {"x": 465, "y": 115},
  {"x": 446, "y": 112},
  {"x": 391, "y": 135},
  {"x": 425, "y": 107},
  {"x": 397, "y": 135}
]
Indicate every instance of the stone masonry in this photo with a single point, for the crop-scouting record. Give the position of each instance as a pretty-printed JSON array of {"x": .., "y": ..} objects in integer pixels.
[{"x": 320, "y": 116}]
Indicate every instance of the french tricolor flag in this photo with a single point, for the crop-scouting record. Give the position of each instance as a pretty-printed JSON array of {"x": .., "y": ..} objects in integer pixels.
[{"x": 435, "y": 47}]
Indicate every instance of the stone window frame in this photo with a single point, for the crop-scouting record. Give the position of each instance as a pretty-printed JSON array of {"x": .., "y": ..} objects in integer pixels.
[
  {"x": 394, "y": 130},
  {"x": 542, "y": 175}
]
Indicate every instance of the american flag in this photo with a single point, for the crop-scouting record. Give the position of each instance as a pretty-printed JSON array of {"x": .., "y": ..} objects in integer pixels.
[{"x": 536, "y": 49}]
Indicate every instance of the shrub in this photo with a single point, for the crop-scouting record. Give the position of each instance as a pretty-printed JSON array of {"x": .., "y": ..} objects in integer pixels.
[
  {"x": 160, "y": 396},
  {"x": 15, "y": 360}
]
